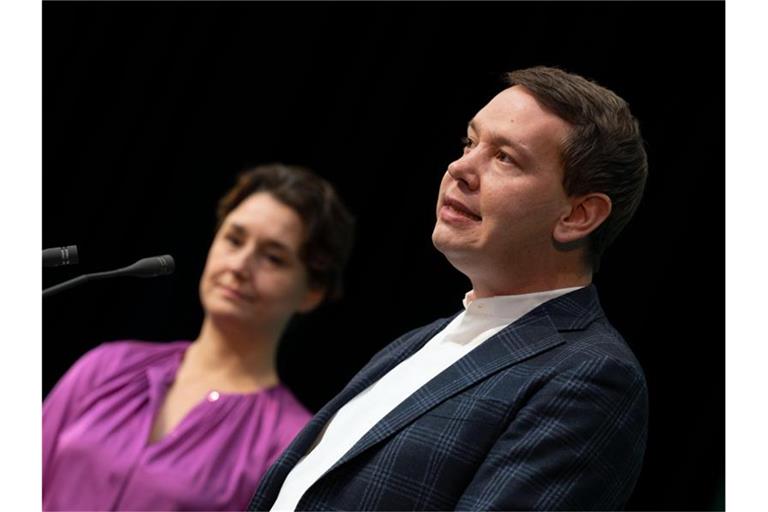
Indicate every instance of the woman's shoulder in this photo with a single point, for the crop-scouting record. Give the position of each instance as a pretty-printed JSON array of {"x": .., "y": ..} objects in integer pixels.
[
  {"x": 137, "y": 349},
  {"x": 113, "y": 357}
]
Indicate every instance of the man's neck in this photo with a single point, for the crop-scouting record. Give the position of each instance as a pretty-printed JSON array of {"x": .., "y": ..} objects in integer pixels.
[
  {"x": 523, "y": 272},
  {"x": 493, "y": 284}
]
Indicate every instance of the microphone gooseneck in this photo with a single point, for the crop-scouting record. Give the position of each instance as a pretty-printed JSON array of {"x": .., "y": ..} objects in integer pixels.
[{"x": 145, "y": 267}]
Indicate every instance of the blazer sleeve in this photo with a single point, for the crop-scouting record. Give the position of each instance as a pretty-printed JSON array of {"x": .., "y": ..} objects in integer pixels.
[{"x": 577, "y": 444}]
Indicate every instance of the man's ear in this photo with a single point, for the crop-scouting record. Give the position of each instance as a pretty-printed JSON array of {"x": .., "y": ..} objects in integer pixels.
[
  {"x": 312, "y": 299},
  {"x": 586, "y": 214}
]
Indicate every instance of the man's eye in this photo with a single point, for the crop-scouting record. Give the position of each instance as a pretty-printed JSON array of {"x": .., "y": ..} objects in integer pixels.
[
  {"x": 467, "y": 143},
  {"x": 507, "y": 159}
]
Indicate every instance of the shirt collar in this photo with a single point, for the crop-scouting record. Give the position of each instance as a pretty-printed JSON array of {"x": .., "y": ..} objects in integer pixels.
[{"x": 510, "y": 306}]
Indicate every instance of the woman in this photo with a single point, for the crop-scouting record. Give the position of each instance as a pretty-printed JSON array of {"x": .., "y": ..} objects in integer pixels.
[{"x": 193, "y": 426}]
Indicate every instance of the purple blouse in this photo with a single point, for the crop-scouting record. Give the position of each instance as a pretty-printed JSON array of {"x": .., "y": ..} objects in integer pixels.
[{"x": 96, "y": 426}]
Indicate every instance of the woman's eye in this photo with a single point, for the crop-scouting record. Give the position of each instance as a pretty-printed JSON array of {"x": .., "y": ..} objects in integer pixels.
[
  {"x": 234, "y": 240},
  {"x": 276, "y": 260}
]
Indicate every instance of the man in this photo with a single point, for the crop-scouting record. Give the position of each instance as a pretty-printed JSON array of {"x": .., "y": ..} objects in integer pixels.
[{"x": 528, "y": 399}]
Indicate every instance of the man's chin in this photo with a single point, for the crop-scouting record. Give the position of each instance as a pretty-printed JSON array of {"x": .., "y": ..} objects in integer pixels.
[
  {"x": 447, "y": 242},
  {"x": 458, "y": 253},
  {"x": 442, "y": 238}
]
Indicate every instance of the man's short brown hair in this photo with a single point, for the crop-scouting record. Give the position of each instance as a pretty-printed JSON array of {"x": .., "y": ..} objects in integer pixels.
[
  {"x": 604, "y": 151},
  {"x": 328, "y": 225}
]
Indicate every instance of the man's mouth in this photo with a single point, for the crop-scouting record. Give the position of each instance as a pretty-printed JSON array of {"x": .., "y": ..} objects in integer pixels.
[{"x": 456, "y": 207}]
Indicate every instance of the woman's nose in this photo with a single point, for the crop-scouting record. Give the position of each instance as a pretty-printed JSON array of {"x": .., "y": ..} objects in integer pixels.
[{"x": 241, "y": 264}]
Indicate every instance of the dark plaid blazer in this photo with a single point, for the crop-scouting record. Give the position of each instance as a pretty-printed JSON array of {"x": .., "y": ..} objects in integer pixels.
[{"x": 550, "y": 413}]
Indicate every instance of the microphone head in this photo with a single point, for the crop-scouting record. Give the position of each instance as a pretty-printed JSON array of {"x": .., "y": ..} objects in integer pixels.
[
  {"x": 151, "y": 267},
  {"x": 60, "y": 256}
]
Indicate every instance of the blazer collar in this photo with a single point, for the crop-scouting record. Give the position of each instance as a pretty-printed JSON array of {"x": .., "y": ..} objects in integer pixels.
[
  {"x": 573, "y": 311},
  {"x": 537, "y": 331}
]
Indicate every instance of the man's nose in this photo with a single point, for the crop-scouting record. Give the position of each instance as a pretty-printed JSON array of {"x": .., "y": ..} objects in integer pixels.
[{"x": 465, "y": 169}]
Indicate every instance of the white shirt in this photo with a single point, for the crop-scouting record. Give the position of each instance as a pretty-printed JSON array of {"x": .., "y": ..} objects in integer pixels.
[{"x": 481, "y": 319}]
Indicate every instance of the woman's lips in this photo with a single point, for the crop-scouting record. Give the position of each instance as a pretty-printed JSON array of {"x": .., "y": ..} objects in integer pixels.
[{"x": 235, "y": 294}]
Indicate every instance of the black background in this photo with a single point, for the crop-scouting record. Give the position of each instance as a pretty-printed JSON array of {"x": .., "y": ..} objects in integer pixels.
[{"x": 151, "y": 109}]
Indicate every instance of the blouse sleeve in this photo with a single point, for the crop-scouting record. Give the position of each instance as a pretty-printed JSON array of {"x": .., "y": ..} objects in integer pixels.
[{"x": 61, "y": 405}]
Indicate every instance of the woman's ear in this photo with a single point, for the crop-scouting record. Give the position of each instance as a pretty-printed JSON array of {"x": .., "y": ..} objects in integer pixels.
[
  {"x": 586, "y": 214},
  {"x": 312, "y": 298}
]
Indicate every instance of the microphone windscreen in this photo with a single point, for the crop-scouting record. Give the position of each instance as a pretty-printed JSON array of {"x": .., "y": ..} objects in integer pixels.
[
  {"x": 151, "y": 267},
  {"x": 58, "y": 256}
]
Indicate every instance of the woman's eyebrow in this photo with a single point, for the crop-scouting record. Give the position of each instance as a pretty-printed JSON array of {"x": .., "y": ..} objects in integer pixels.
[
  {"x": 271, "y": 243},
  {"x": 234, "y": 226}
]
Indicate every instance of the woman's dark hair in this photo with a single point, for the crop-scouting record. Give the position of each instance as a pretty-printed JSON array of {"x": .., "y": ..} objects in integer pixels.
[
  {"x": 328, "y": 225},
  {"x": 604, "y": 151}
]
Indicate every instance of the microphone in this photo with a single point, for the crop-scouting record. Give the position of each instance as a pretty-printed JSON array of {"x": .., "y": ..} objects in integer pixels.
[
  {"x": 149, "y": 267},
  {"x": 60, "y": 256},
  {"x": 145, "y": 267}
]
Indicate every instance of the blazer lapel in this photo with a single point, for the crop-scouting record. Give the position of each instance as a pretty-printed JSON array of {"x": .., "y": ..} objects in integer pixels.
[
  {"x": 379, "y": 366},
  {"x": 369, "y": 374},
  {"x": 532, "y": 334}
]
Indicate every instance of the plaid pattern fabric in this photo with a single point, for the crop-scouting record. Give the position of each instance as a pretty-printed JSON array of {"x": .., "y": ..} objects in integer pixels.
[{"x": 548, "y": 414}]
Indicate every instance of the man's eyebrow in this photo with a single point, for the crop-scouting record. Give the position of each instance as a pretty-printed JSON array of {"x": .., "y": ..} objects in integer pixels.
[{"x": 504, "y": 141}]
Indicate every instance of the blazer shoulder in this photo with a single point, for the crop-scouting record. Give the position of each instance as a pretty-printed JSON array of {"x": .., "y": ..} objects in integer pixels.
[{"x": 600, "y": 341}]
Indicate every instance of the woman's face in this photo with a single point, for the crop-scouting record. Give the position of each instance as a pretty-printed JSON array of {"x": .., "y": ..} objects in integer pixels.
[{"x": 253, "y": 274}]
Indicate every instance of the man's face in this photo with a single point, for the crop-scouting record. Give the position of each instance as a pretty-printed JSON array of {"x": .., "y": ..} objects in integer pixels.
[{"x": 499, "y": 202}]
